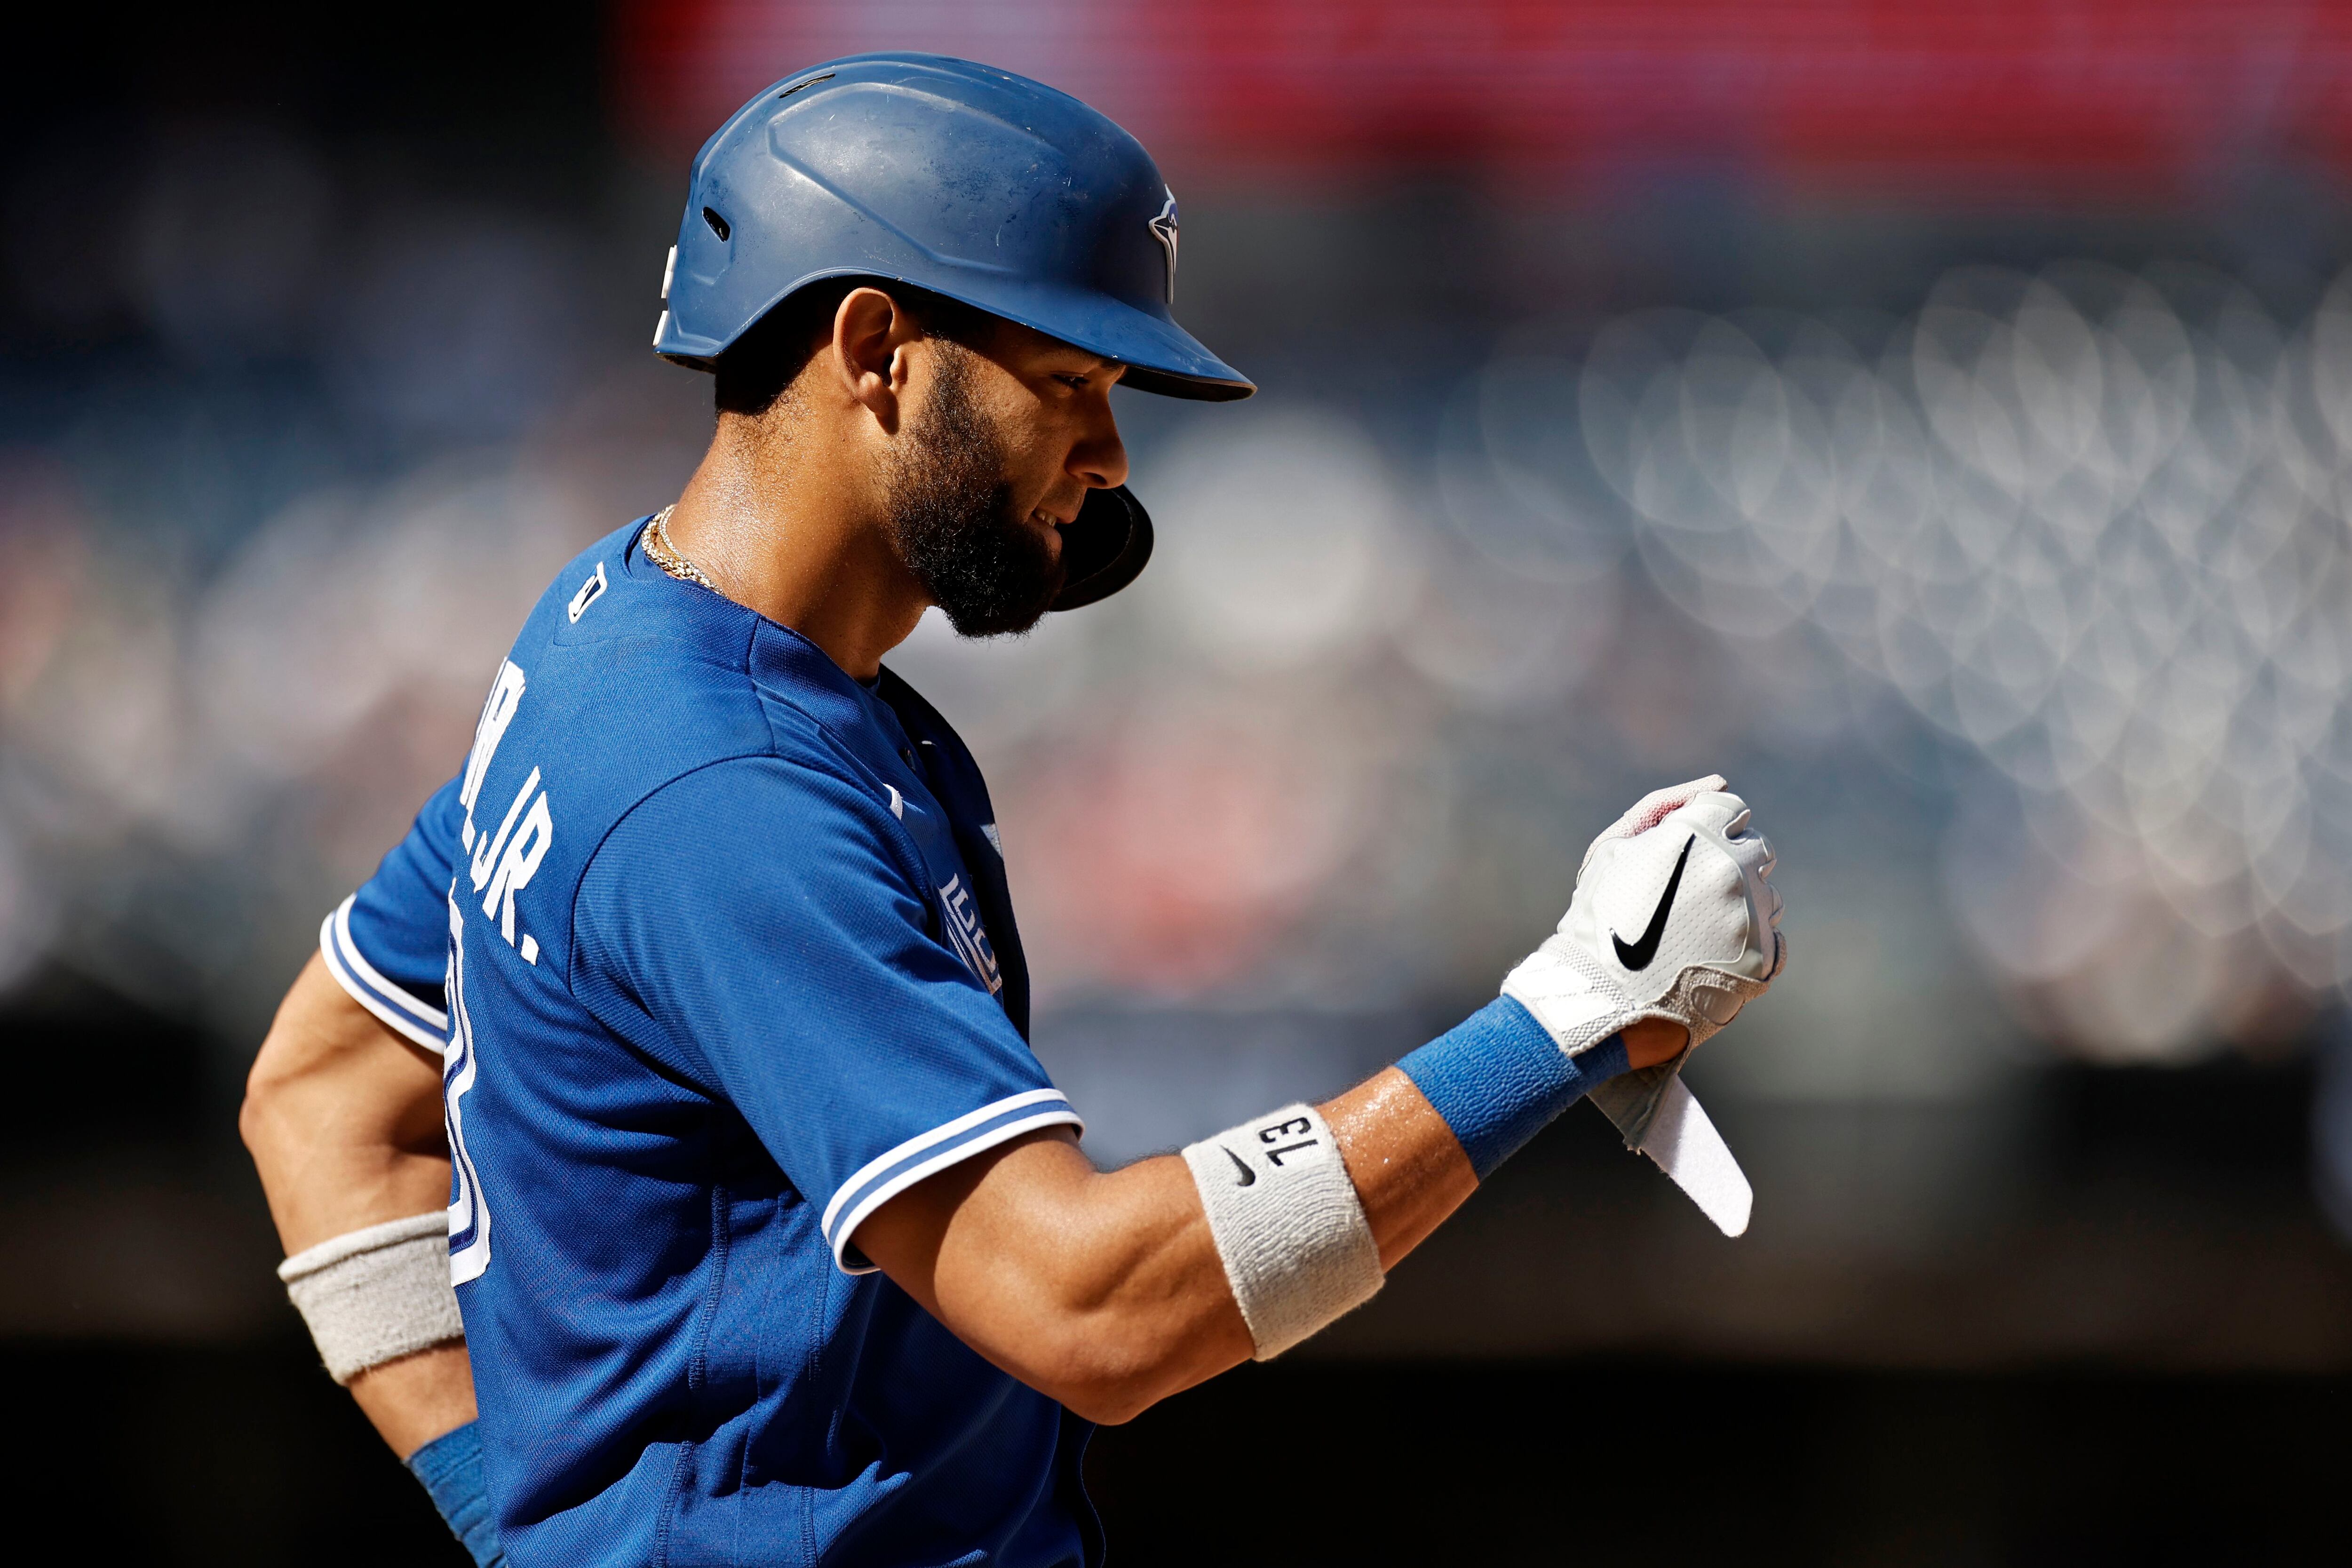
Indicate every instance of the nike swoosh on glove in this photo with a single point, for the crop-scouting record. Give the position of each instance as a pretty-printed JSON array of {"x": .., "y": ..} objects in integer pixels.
[{"x": 1674, "y": 917}]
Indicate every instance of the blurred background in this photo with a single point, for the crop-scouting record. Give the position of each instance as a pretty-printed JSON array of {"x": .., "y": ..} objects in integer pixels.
[{"x": 1938, "y": 418}]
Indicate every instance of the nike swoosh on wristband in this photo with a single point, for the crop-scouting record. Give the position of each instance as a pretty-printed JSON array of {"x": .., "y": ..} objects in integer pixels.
[
  {"x": 1637, "y": 956},
  {"x": 1248, "y": 1175}
]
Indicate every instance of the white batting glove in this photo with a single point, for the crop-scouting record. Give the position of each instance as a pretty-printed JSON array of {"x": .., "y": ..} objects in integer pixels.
[{"x": 1673, "y": 917}]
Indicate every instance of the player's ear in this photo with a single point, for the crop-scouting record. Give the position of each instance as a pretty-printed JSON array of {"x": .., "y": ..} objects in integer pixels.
[{"x": 870, "y": 334}]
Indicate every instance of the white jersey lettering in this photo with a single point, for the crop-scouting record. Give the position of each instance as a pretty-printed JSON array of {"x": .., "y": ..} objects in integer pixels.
[
  {"x": 497, "y": 712},
  {"x": 518, "y": 866},
  {"x": 969, "y": 936}
]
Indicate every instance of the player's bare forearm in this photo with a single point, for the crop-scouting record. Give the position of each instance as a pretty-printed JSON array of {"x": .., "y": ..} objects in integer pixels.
[
  {"x": 417, "y": 1398},
  {"x": 1102, "y": 1291},
  {"x": 1106, "y": 1290},
  {"x": 343, "y": 1118}
]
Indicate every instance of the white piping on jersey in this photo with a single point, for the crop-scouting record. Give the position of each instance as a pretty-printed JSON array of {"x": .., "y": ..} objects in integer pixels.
[
  {"x": 923, "y": 1168},
  {"x": 898, "y": 802},
  {"x": 469, "y": 1209},
  {"x": 942, "y": 1133},
  {"x": 413, "y": 1019}
]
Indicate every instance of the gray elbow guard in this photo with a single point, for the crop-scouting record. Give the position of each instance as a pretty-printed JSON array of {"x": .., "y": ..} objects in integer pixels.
[{"x": 1288, "y": 1225}]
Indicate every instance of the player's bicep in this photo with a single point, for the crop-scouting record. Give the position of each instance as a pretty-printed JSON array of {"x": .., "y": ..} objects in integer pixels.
[
  {"x": 368, "y": 1079},
  {"x": 342, "y": 1116},
  {"x": 1009, "y": 1204}
]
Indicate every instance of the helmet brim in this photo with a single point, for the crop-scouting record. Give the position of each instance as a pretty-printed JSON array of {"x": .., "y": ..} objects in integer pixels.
[{"x": 1160, "y": 356}]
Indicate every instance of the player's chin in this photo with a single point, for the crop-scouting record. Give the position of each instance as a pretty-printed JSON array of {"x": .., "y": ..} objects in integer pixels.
[
  {"x": 997, "y": 620},
  {"x": 1006, "y": 594}
]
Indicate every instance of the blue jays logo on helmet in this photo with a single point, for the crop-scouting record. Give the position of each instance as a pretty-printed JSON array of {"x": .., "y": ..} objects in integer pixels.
[{"x": 1163, "y": 229}]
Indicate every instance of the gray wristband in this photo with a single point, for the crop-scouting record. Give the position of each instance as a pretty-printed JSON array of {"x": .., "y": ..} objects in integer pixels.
[
  {"x": 375, "y": 1295},
  {"x": 1288, "y": 1225}
]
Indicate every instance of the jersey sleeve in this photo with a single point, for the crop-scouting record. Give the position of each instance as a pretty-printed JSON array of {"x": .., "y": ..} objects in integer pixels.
[
  {"x": 772, "y": 923},
  {"x": 388, "y": 943}
]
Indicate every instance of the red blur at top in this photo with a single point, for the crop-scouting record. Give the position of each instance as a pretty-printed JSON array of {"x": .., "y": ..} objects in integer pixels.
[{"x": 2121, "y": 99}]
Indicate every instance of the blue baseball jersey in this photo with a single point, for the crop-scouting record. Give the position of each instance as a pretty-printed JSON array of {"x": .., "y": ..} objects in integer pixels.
[{"x": 727, "y": 962}]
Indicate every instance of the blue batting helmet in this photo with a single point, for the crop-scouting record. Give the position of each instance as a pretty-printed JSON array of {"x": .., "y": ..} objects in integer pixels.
[{"x": 970, "y": 182}]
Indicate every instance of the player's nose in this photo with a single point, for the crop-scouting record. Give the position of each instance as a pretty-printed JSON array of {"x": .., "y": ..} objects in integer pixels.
[{"x": 1099, "y": 459}]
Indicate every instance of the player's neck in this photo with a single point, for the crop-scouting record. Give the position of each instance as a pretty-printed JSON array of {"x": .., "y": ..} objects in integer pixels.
[{"x": 787, "y": 523}]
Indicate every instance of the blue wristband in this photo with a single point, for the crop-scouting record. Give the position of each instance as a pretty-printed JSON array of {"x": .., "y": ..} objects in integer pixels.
[
  {"x": 1499, "y": 1079},
  {"x": 451, "y": 1468}
]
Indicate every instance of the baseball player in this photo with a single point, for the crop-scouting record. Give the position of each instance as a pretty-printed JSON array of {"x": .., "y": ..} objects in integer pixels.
[{"x": 696, "y": 995}]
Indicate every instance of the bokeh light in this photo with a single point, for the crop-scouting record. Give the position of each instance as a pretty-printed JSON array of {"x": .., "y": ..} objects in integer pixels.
[{"x": 2092, "y": 524}]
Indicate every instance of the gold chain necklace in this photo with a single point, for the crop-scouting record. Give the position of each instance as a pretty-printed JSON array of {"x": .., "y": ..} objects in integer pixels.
[{"x": 667, "y": 556}]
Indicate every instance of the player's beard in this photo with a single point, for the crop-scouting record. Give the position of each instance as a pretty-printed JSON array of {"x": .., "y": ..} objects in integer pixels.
[{"x": 953, "y": 520}]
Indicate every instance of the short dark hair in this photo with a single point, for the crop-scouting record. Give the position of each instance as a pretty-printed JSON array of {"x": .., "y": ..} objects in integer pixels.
[{"x": 772, "y": 352}]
